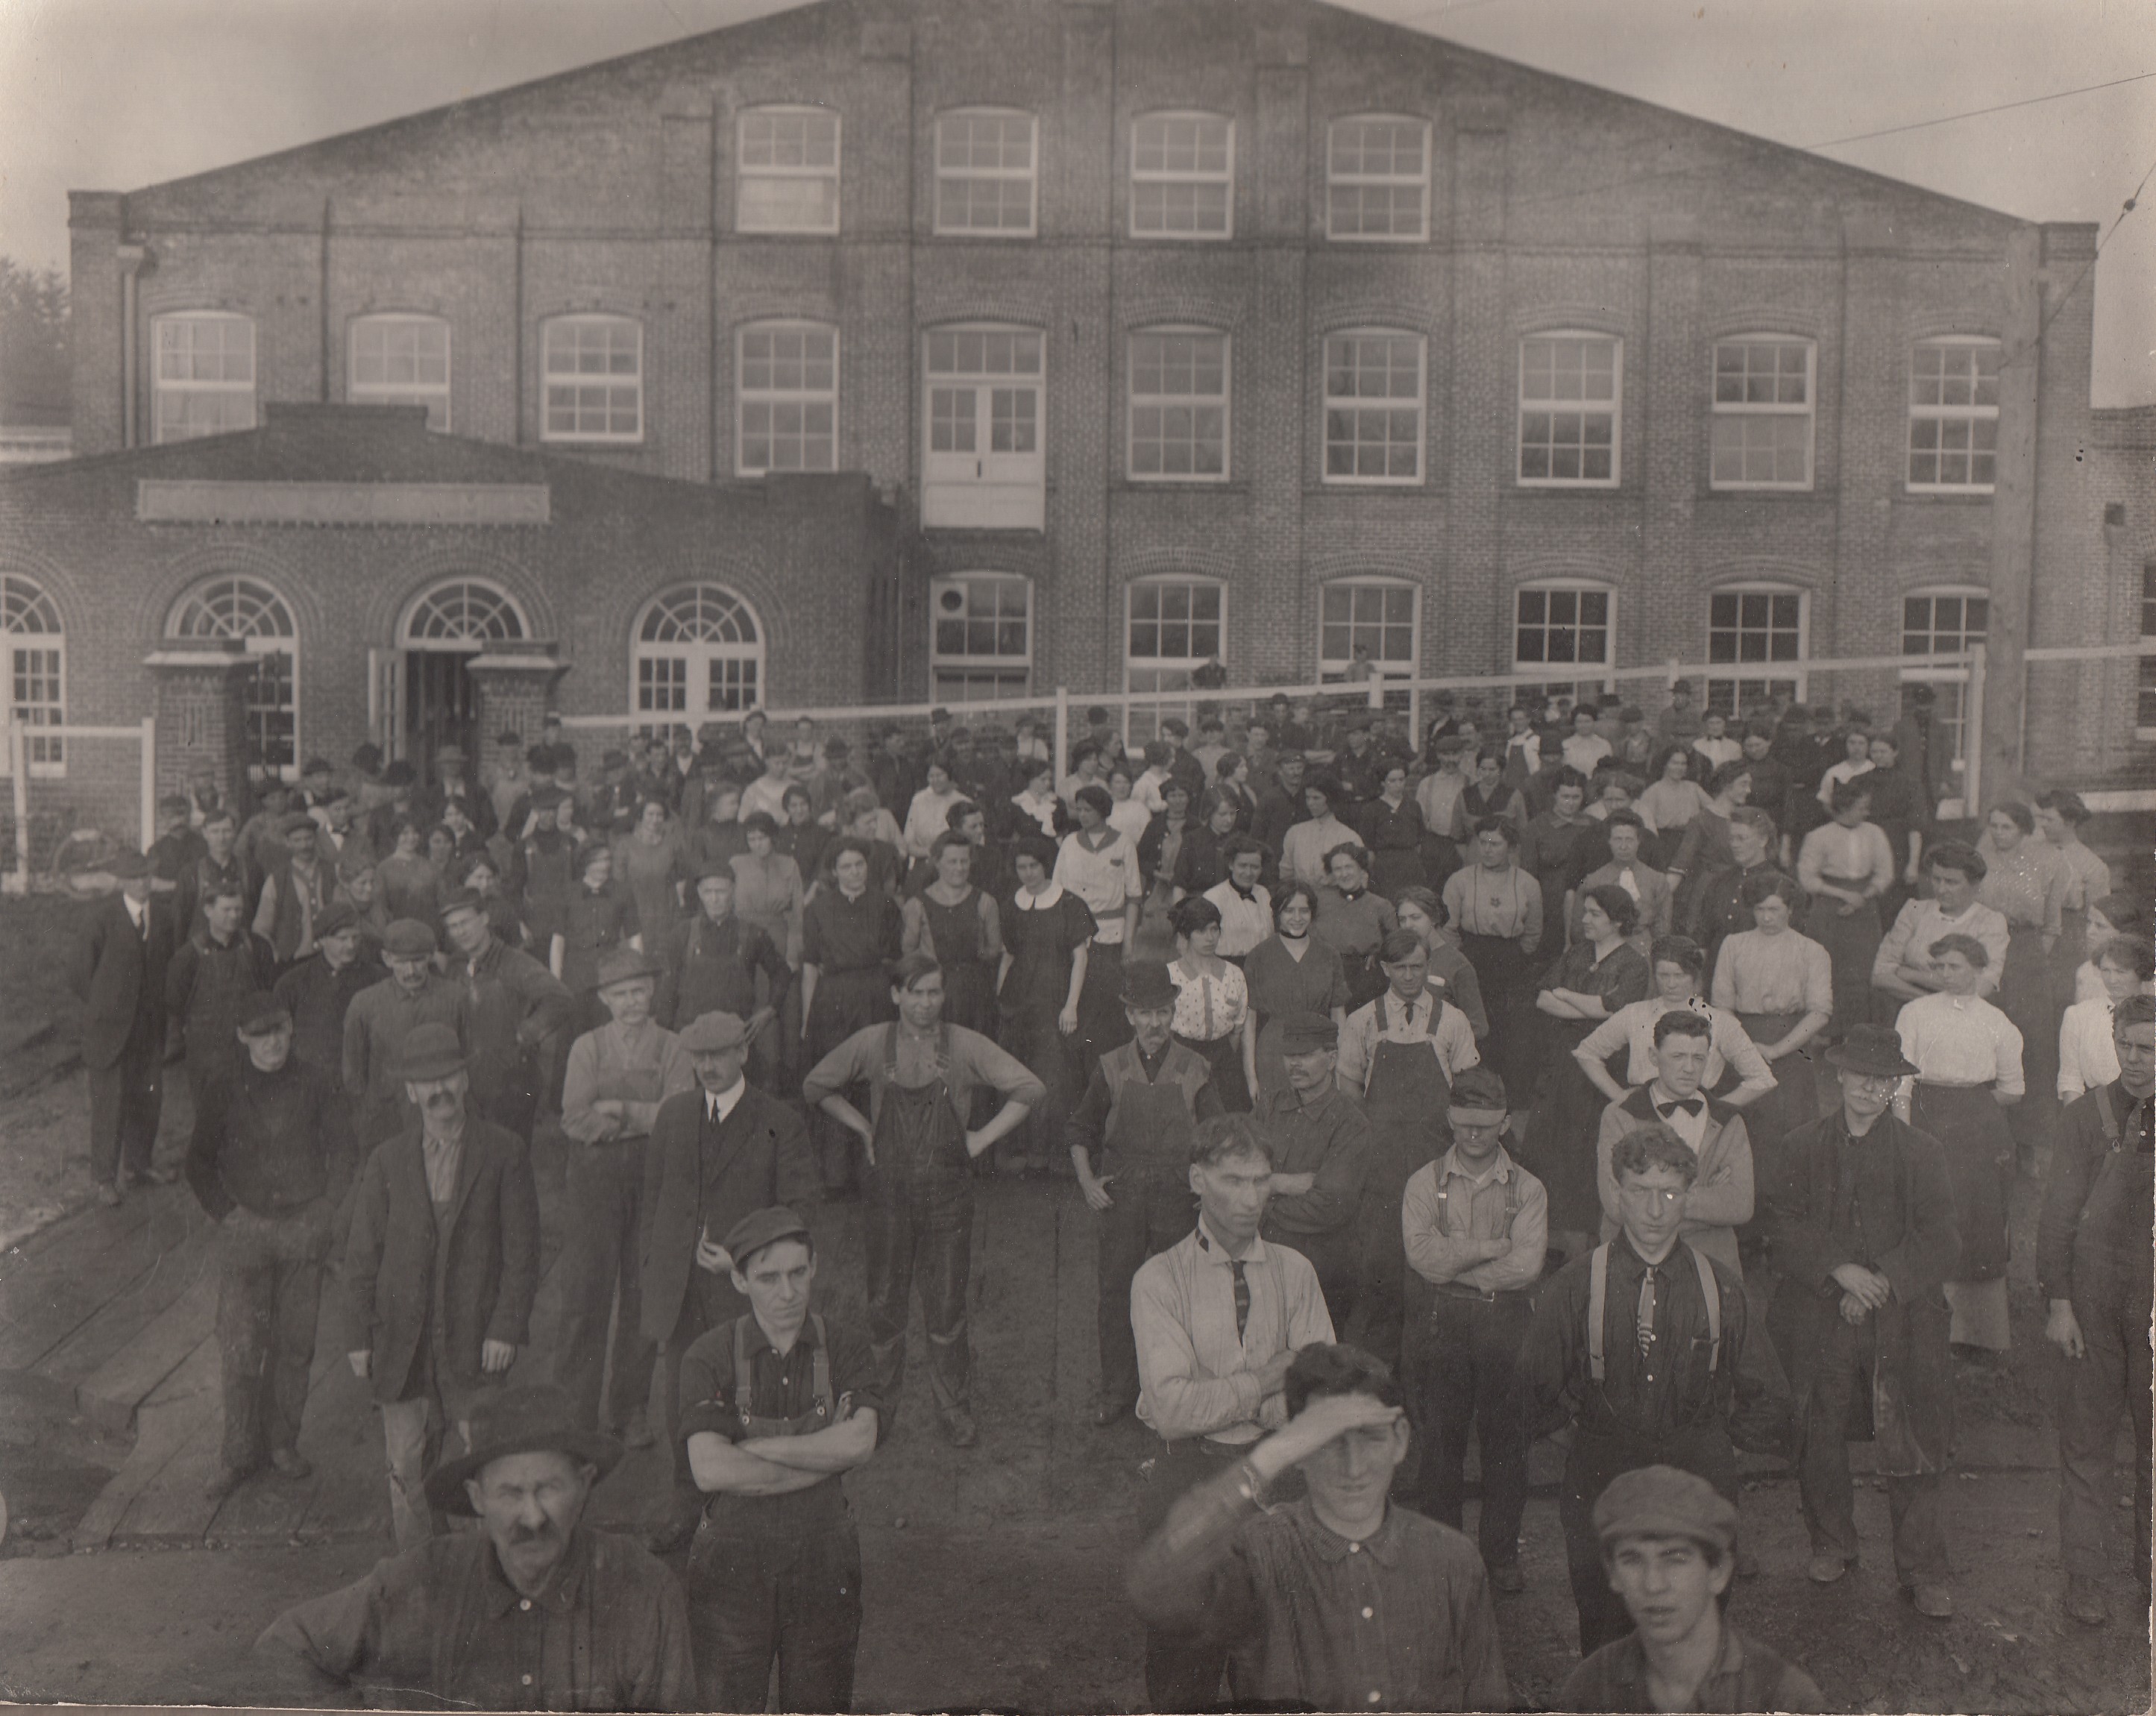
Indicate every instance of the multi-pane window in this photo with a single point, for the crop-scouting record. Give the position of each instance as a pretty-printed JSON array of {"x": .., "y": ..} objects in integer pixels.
[
  {"x": 1179, "y": 405},
  {"x": 984, "y": 468},
  {"x": 699, "y": 652},
  {"x": 1374, "y": 413},
  {"x": 1377, "y": 618},
  {"x": 35, "y": 649},
  {"x": 1762, "y": 413},
  {"x": 464, "y": 613},
  {"x": 987, "y": 173},
  {"x": 1571, "y": 393},
  {"x": 787, "y": 397},
  {"x": 1377, "y": 178},
  {"x": 1755, "y": 648},
  {"x": 2144, "y": 715},
  {"x": 1569, "y": 629},
  {"x": 788, "y": 173},
  {"x": 980, "y": 640},
  {"x": 1954, "y": 415},
  {"x": 203, "y": 376},
  {"x": 1183, "y": 175},
  {"x": 400, "y": 360},
  {"x": 594, "y": 369},
  {"x": 1175, "y": 628},
  {"x": 248, "y": 609},
  {"x": 1943, "y": 623}
]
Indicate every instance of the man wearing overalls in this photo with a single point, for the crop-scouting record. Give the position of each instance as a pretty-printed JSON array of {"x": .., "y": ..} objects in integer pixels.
[
  {"x": 1400, "y": 1054},
  {"x": 1140, "y": 1110},
  {"x": 917, "y": 1193},
  {"x": 2093, "y": 1258},
  {"x": 777, "y": 1404}
]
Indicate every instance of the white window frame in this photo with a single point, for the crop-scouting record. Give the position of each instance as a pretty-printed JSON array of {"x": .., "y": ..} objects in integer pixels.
[
  {"x": 1141, "y": 721},
  {"x": 1194, "y": 178},
  {"x": 806, "y": 399},
  {"x": 1355, "y": 405},
  {"x": 240, "y": 605},
  {"x": 1582, "y": 672},
  {"x": 434, "y": 395},
  {"x": 1735, "y": 674},
  {"x": 1739, "y": 415},
  {"x": 1972, "y": 416},
  {"x": 30, "y": 621},
  {"x": 1030, "y": 175},
  {"x": 1333, "y": 668},
  {"x": 1953, "y": 682},
  {"x": 476, "y": 613},
  {"x": 783, "y": 173},
  {"x": 2144, "y": 684},
  {"x": 1557, "y": 404},
  {"x": 1338, "y": 180},
  {"x": 610, "y": 380},
  {"x": 1009, "y": 488},
  {"x": 166, "y": 390},
  {"x": 957, "y": 677},
  {"x": 1165, "y": 406},
  {"x": 704, "y": 608}
]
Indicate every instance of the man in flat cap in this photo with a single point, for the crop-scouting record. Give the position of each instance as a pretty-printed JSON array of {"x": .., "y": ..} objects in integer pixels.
[
  {"x": 118, "y": 975},
  {"x": 516, "y": 1006},
  {"x": 1321, "y": 1155},
  {"x": 535, "y": 1610},
  {"x": 218, "y": 966},
  {"x": 618, "y": 1076},
  {"x": 718, "y": 1152},
  {"x": 270, "y": 1156},
  {"x": 319, "y": 990},
  {"x": 294, "y": 892},
  {"x": 777, "y": 1404},
  {"x": 1668, "y": 1540},
  {"x": 440, "y": 1266},
  {"x": 381, "y": 1017}
]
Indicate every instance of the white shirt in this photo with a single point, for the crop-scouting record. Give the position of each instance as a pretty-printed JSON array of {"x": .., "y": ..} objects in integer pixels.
[
  {"x": 1146, "y": 789},
  {"x": 1104, "y": 880},
  {"x": 1438, "y": 797},
  {"x": 717, "y": 1108},
  {"x": 1583, "y": 751},
  {"x": 1961, "y": 1039},
  {"x": 1690, "y": 1128},
  {"x": 1244, "y": 923},
  {"x": 2088, "y": 1057},
  {"x": 1836, "y": 775},
  {"x": 137, "y": 910},
  {"x": 1390, "y": 1020}
]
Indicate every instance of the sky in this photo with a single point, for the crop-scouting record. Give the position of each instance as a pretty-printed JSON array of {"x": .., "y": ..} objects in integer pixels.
[{"x": 112, "y": 94}]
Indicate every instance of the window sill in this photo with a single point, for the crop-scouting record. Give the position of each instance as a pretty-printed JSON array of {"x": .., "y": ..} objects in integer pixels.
[{"x": 1944, "y": 497}]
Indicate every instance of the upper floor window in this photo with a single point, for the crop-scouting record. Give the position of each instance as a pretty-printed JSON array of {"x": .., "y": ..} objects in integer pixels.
[
  {"x": 1563, "y": 625},
  {"x": 1183, "y": 175},
  {"x": 1178, "y": 394},
  {"x": 2144, "y": 713},
  {"x": 204, "y": 375},
  {"x": 1755, "y": 647},
  {"x": 981, "y": 641},
  {"x": 1762, "y": 413},
  {"x": 248, "y": 609},
  {"x": 788, "y": 392},
  {"x": 1954, "y": 415},
  {"x": 400, "y": 360},
  {"x": 987, "y": 173},
  {"x": 789, "y": 170},
  {"x": 594, "y": 379},
  {"x": 1377, "y": 178},
  {"x": 985, "y": 468},
  {"x": 1572, "y": 390},
  {"x": 35, "y": 649},
  {"x": 1373, "y": 395}
]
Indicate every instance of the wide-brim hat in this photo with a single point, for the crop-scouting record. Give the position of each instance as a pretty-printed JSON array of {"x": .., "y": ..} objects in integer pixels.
[
  {"x": 429, "y": 1052},
  {"x": 620, "y": 964},
  {"x": 533, "y": 1419},
  {"x": 1876, "y": 1049},
  {"x": 1147, "y": 984}
]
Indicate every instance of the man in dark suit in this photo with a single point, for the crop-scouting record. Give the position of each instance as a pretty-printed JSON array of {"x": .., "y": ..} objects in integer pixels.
[
  {"x": 716, "y": 1153},
  {"x": 118, "y": 976},
  {"x": 439, "y": 1269}
]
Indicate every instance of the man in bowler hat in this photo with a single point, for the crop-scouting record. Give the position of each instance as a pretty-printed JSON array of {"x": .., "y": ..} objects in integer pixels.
[{"x": 118, "y": 975}]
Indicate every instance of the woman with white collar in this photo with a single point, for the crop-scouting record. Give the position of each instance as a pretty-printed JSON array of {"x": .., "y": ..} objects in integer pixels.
[{"x": 1046, "y": 935}]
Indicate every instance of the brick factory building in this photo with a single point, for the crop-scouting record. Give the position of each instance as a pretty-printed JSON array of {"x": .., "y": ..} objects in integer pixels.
[{"x": 1160, "y": 329}]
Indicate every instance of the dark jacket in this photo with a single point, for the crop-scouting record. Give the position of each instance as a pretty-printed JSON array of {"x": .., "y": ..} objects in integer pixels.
[
  {"x": 118, "y": 975},
  {"x": 394, "y": 1293},
  {"x": 271, "y": 1142},
  {"x": 206, "y": 990},
  {"x": 516, "y": 1003},
  {"x": 319, "y": 999}
]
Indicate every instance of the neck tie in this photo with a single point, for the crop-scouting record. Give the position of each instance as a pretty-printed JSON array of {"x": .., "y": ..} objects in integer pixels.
[
  {"x": 1691, "y": 1106},
  {"x": 1242, "y": 1298},
  {"x": 1646, "y": 1315},
  {"x": 1629, "y": 882}
]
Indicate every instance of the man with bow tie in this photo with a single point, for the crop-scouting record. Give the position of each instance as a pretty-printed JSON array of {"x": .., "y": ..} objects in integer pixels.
[{"x": 1720, "y": 1200}]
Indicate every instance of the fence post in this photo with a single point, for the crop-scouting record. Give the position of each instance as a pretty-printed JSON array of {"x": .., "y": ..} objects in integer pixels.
[
  {"x": 18, "y": 770},
  {"x": 148, "y": 829},
  {"x": 1972, "y": 736},
  {"x": 1061, "y": 758}
]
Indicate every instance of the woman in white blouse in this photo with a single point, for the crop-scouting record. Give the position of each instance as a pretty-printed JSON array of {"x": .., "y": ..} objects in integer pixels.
[
  {"x": 2088, "y": 1058},
  {"x": 1680, "y": 973},
  {"x": 1212, "y": 1002},
  {"x": 929, "y": 814},
  {"x": 2112, "y": 916},
  {"x": 1846, "y": 865}
]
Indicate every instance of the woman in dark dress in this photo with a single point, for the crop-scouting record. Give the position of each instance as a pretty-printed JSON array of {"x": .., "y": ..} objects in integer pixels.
[
  {"x": 1291, "y": 973},
  {"x": 1393, "y": 829},
  {"x": 1488, "y": 795},
  {"x": 801, "y": 837},
  {"x": 596, "y": 919},
  {"x": 1203, "y": 862},
  {"x": 956, "y": 925},
  {"x": 1160, "y": 846},
  {"x": 1047, "y": 935},
  {"x": 850, "y": 934}
]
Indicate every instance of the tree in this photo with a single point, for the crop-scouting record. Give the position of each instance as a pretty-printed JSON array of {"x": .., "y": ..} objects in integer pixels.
[{"x": 34, "y": 365}]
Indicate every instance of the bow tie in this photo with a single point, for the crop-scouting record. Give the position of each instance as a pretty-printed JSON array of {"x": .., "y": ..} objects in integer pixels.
[
  {"x": 1693, "y": 1105},
  {"x": 1249, "y": 894}
]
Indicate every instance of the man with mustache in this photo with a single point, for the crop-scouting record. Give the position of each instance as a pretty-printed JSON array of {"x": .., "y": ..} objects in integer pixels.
[{"x": 533, "y": 1611}]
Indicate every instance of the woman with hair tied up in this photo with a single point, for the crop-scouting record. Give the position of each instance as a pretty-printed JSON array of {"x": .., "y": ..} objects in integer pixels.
[
  {"x": 1292, "y": 971},
  {"x": 1780, "y": 985},
  {"x": 1846, "y": 865},
  {"x": 1212, "y": 1001},
  {"x": 1355, "y": 920},
  {"x": 2026, "y": 881},
  {"x": 1496, "y": 909}
]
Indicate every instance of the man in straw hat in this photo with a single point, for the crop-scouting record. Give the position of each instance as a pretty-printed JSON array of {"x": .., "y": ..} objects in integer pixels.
[
  {"x": 618, "y": 1077},
  {"x": 440, "y": 1266},
  {"x": 382, "y": 1017},
  {"x": 535, "y": 1610},
  {"x": 1860, "y": 1221},
  {"x": 118, "y": 975},
  {"x": 1669, "y": 1542}
]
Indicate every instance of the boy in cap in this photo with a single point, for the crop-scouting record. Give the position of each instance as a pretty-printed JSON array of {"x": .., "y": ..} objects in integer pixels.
[
  {"x": 208, "y": 984},
  {"x": 294, "y": 892},
  {"x": 535, "y": 1610},
  {"x": 269, "y": 1156},
  {"x": 1321, "y": 1151},
  {"x": 118, "y": 975},
  {"x": 319, "y": 990},
  {"x": 518, "y": 1007},
  {"x": 380, "y": 1018},
  {"x": 1668, "y": 1545},
  {"x": 777, "y": 1404},
  {"x": 1141, "y": 1111},
  {"x": 440, "y": 1267},
  {"x": 618, "y": 1076}
]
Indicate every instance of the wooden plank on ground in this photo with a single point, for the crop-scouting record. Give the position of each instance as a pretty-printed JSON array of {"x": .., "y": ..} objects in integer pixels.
[
  {"x": 159, "y": 1439},
  {"x": 132, "y": 1310},
  {"x": 49, "y": 1289},
  {"x": 171, "y": 1508},
  {"x": 109, "y": 1395}
]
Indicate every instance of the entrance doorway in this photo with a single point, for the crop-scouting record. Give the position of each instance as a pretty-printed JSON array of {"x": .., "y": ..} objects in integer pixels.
[
  {"x": 441, "y": 706},
  {"x": 424, "y": 696}
]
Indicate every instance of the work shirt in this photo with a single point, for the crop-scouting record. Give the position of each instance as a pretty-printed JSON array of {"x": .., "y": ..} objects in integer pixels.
[
  {"x": 974, "y": 1060},
  {"x": 1504, "y": 902},
  {"x": 318, "y": 1000},
  {"x": 1907, "y": 947},
  {"x": 380, "y": 1018},
  {"x": 1444, "y": 1205},
  {"x": 1399, "y": 1622},
  {"x": 516, "y": 1003},
  {"x": 610, "y": 1631},
  {"x": 1746, "y": 1675},
  {"x": 1197, "y": 1376},
  {"x": 1323, "y": 1133},
  {"x": 1105, "y": 879},
  {"x": 1390, "y": 1020},
  {"x": 1631, "y": 1027},
  {"x": 1088, "y": 1125},
  {"x": 1961, "y": 1039},
  {"x": 1437, "y": 796},
  {"x": 641, "y": 1066},
  {"x": 267, "y": 1141},
  {"x": 2088, "y": 1051},
  {"x": 1781, "y": 974},
  {"x": 2114, "y": 1229}
]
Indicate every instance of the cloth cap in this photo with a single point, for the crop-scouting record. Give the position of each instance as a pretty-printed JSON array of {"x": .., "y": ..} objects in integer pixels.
[
  {"x": 337, "y": 918},
  {"x": 399, "y": 773},
  {"x": 462, "y": 900},
  {"x": 317, "y": 765},
  {"x": 407, "y": 939},
  {"x": 714, "y": 866},
  {"x": 1876, "y": 1049},
  {"x": 430, "y": 1051},
  {"x": 1660, "y": 1501},
  {"x": 536, "y": 1419},
  {"x": 713, "y": 1034},
  {"x": 760, "y": 1228},
  {"x": 1147, "y": 984},
  {"x": 1301, "y": 1033},
  {"x": 620, "y": 964},
  {"x": 1682, "y": 687},
  {"x": 262, "y": 1013},
  {"x": 547, "y": 798},
  {"x": 292, "y": 821},
  {"x": 1480, "y": 1087},
  {"x": 128, "y": 864}
]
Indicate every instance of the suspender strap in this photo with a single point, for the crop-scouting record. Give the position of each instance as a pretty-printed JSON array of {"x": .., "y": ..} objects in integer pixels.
[
  {"x": 1711, "y": 1291},
  {"x": 1598, "y": 1301}
]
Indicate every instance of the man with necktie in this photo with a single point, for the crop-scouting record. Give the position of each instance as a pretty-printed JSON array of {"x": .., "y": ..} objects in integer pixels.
[{"x": 118, "y": 976}]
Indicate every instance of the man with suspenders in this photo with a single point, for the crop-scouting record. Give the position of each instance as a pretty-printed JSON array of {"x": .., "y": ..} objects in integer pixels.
[
  {"x": 777, "y": 1404},
  {"x": 1641, "y": 1343}
]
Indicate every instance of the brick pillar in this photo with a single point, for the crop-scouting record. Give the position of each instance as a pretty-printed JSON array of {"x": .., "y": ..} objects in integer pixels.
[
  {"x": 516, "y": 687},
  {"x": 202, "y": 714}
]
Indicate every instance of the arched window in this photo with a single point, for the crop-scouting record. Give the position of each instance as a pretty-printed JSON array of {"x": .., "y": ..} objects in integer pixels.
[
  {"x": 980, "y": 636},
  {"x": 36, "y": 649},
  {"x": 1943, "y": 620},
  {"x": 1176, "y": 625},
  {"x": 1755, "y": 646},
  {"x": 1563, "y": 625},
  {"x": 698, "y": 652},
  {"x": 248, "y": 609},
  {"x": 1764, "y": 400},
  {"x": 463, "y": 614},
  {"x": 1367, "y": 631}
]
